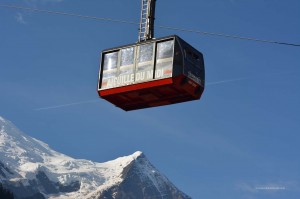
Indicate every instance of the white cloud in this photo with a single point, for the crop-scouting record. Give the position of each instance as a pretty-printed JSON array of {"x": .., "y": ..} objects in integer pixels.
[
  {"x": 246, "y": 187},
  {"x": 19, "y": 17},
  {"x": 269, "y": 187}
]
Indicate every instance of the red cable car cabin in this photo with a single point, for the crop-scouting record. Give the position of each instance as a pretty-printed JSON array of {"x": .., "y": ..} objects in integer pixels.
[{"x": 151, "y": 73}]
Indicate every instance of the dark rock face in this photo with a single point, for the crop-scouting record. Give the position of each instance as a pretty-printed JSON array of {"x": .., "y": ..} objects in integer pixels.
[
  {"x": 5, "y": 194},
  {"x": 45, "y": 184},
  {"x": 4, "y": 171},
  {"x": 40, "y": 186},
  {"x": 35, "y": 196},
  {"x": 137, "y": 185},
  {"x": 72, "y": 187},
  {"x": 23, "y": 192}
]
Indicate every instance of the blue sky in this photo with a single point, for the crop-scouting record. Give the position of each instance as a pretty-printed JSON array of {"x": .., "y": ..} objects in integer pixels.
[{"x": 241, "y": 136}]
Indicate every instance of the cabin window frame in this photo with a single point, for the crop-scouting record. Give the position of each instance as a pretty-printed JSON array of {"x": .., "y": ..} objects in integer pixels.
[
  {"x": 130, "y": 65},
  {"x": 144, "y": 73},
  {"x": 101, "y": 75},
  {"x": 162, "y": 76}
]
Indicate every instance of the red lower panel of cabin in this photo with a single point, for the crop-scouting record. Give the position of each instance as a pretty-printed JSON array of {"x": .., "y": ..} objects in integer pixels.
[{"x": 155, "y": 93}]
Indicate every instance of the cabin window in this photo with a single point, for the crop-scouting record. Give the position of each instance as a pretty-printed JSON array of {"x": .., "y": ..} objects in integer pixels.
[
  {"x": 127, "y": 56},
  {"x": 145, "y": 53},
  {"x": 144, "y": 67},
  {"x": 127, "y": 61},
  {"x": 164, "y": 59},
  {"x": 193, "y": 58},
  {"x": 165, "y": 49},
  {"x": 110, "y": 64},
  {"x": 110, "y": 61}
]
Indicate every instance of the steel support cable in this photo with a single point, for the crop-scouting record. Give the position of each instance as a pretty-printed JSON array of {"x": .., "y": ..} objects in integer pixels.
[
  {"x": 162, "y": 27},
  {"x": 229, "y": 36},
  {"x": 66, "y": 14}
]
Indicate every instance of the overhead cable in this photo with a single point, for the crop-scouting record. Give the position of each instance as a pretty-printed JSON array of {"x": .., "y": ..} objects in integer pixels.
[
  {"x": 162, "y": 27},
  {"x": 67, "y": 14},
  {"x": 229, "y": 36}
]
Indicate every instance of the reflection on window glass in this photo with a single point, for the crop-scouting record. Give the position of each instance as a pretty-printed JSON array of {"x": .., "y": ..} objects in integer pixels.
[
  {"x": 144, "y": 68},
  {"x": 127, "y": 61},
  {"x": 108, "y": 74},
  {"x": 165, "y": 49},
  {"x": 164, "y": 59},
  {"x": 110, "y": 61},
  {"x": 127, "y": 56},
  {"x": 109, "y": 69},
  {"x": 145, "y": 53}
]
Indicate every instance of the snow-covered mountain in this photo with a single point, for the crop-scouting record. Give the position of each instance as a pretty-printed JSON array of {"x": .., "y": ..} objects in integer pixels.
[{"x": 32, "y": 170}]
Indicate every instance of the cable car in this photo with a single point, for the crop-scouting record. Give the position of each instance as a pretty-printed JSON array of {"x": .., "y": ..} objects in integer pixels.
[{"x": 152, "y": 72}]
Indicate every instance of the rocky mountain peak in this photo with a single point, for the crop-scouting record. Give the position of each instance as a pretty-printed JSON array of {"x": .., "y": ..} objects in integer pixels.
[{"x": 31, "y": 169}]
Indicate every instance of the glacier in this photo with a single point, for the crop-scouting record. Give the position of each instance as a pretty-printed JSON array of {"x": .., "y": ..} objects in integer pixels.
[{"x": 31, "y": 169}]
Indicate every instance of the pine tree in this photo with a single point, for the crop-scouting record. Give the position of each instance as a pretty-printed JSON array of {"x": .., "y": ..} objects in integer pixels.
[{"x": 5, "y": 194}]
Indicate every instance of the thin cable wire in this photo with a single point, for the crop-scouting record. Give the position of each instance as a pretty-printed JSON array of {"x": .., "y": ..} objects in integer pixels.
[
  {"x": 162, "y": 27},
  {"x": 67, "y": 14},
  {"x": 229, "y": 36}
]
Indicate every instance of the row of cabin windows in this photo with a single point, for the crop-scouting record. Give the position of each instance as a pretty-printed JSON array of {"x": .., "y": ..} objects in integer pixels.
[
  {"x": 164, "y": 50},
  {"x": 122, "y": 62}
]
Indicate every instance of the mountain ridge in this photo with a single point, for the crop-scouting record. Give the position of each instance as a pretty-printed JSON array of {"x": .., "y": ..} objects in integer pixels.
[{"x": 31, "y": 169}]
